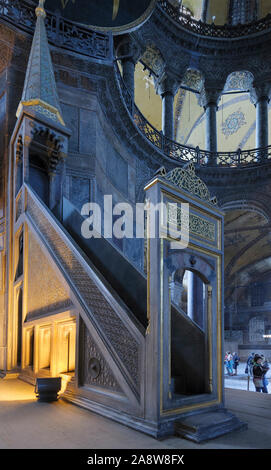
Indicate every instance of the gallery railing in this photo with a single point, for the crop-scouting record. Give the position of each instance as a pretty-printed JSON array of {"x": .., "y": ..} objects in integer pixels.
[
  {"x": 100, "y": 46},
  {"x": 185, "y": 153},
  {"x": 63, "y": 33},
  {"x": 95, "y": 44},
  {"x": 212, "y": 30}
]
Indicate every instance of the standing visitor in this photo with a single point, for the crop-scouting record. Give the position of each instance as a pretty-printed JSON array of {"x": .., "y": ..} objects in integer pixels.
[
  {"x": 258, "y": 373},
  {"x": 265, "y": 380},
  {"x": 236, "y": 360},
  {"x": 229, "y": 363},
  {"x": 249, "y": 366}
]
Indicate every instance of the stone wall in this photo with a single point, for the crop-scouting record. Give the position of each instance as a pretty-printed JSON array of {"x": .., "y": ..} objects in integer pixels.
[{"x": 45, "y": 292}]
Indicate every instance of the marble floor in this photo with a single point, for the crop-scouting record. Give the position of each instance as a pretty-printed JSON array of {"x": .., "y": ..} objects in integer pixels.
[{"x": 26, "y": 423}]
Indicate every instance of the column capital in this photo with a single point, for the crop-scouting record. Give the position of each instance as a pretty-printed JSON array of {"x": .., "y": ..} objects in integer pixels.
[
  {"x": 128, "y": 49},
  {"x": 260, "y": 91},
  {"x": 210, "y": 96},
  {"x": 167, "y": 84}
]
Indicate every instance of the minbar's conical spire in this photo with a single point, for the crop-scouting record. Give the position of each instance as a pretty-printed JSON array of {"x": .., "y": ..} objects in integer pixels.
[{"x": 40, "y": 93}]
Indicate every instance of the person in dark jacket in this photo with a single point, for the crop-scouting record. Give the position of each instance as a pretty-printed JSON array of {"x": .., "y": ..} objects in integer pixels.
[
  {"x": 258, "y": 373},
  {"x": 236, "y": 360}
]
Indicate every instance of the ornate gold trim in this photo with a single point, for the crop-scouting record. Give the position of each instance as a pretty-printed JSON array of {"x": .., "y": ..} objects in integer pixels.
[
  {"x": 43, "y": 104},
  {"x": 218, "y": 212},
  {"x": 190, "y": 407},
  {"x": 186, "y": 179},
  {"x": 198, "y": 226}
]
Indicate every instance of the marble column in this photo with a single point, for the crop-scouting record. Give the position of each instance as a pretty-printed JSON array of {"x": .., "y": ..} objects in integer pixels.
[
  {"x": 204, "y": 11},
  {"x": 167, "y": 89},
  {"x": 190, "y": 294},
  {"x": 128, "y": 69},
  {"x": 129, "y": 53},
  {"x": 209, "y": 100},
  {"x": 195, "y": 304},
  {"x": 262, "y": 122},
  {"x": 211, "y": 127},
  {"x": 260, "y": 98}
]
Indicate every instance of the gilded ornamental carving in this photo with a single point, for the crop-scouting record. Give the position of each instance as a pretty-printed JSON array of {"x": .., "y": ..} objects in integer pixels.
[{"x": 186, "y": 178}]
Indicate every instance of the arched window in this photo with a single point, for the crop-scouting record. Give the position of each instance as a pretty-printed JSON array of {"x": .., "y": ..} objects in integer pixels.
[{"x": 243, "y": 11}]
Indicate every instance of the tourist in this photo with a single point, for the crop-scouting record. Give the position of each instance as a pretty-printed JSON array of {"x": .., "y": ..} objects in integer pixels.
[
  {"x": 229, "y": 363},
  {"x": 236, "y": 360},
  {"x": 249, "y": 366},
  {"x": 258, "y": 373},
  {"x": 265, "y": 380}
]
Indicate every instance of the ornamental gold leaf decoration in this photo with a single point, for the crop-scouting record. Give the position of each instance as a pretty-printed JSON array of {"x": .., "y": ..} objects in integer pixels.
[
  {"x": 186, "y": 178},
  {"x": 197, "y": 225}
]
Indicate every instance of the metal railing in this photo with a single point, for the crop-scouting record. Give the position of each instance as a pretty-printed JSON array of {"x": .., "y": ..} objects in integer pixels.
[
  {"x": 61, "y": 32},
  {"x": 212, "y": 30},
  {"x": 183, "y": 153}
]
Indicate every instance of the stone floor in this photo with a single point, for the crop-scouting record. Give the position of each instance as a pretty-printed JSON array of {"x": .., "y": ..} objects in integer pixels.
[{"x": 25, "y": 423}]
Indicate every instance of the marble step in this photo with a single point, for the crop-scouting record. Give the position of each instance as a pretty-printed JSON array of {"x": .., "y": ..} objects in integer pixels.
[{"x": 208, "y": 425}]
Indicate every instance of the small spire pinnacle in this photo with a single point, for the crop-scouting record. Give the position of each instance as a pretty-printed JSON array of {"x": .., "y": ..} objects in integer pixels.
[
  {"x": 40, "y": 92},
  {"x": 40, "y": 9}
]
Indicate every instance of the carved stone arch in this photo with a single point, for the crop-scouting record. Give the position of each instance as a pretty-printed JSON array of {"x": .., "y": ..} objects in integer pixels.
[
  {"x": 260, "y": 67},
  {"x": 246, "y": 235},
  {"x": 239, "y": 80},
  {"x": 180, "y": 261},
  {"x": 247, "y": 205}
]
